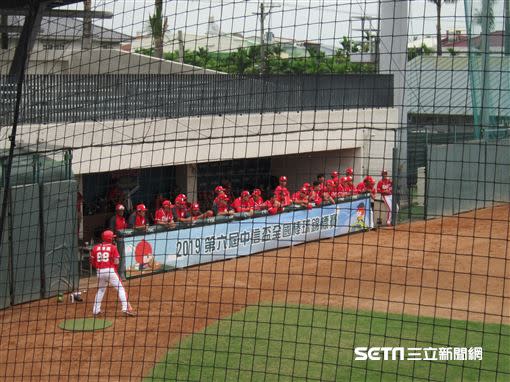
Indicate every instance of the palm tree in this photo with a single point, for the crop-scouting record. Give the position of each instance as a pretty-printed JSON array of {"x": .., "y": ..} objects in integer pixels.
[
  {"x": 158, "y": 26},
  {"x": 439, "y": 3}
]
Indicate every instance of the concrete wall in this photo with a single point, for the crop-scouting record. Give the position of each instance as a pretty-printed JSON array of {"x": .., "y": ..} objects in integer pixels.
[
  {"x": 466, "y": 176},
  {"x": 96, "y": 61},
  {"x": 305, "y": 167},
  {"x": 204, "y": 139}
]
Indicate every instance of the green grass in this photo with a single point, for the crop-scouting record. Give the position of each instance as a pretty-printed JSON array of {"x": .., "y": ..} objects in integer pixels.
[{"x": 298, "y": 343}]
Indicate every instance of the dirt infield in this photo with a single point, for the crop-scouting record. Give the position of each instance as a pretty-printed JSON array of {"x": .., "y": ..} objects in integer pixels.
[{"x": 454, "y": 267}]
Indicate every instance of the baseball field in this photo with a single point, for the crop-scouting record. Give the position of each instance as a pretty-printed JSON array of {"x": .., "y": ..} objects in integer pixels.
[{"x": 292, "y": 314}]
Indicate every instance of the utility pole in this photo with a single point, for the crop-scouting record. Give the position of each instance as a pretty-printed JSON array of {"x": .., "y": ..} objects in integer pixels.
[
  {"x": 86, "y": 42},
  {"x": 263, "y": 13}
]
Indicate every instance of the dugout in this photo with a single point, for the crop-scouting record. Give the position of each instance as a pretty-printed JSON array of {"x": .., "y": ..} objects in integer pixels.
[{"x": 38, "y": 254}]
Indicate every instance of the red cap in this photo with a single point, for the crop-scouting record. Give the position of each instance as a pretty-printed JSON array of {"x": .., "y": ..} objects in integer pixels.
[
  {"x": 107, "y": 236},
  {"x": 141, "y": 207},
  {"x": 369, "y": 179},
  {"x": 349, "y": 171},
  {"x": 257, "y": 192},
  {"x": 119, "y": 207},
  {"x": 344, "y": 179},
  {"x": 334, "y": 174},
  {"x": 304, "y": 190},
  {"x": 330, "y": 182},
  {"x": 219, "y": 189},
  {"x": 181, "y": 198},
  {"x": 349, "y": 178},
  {"x": 384, "y": 172},
  {"x": 245, "y": 193},
  {"x": 195, "y": 206},
  {"x": 166, "y": 203},
  {"x": 306, "y": 185},
  {"x": 283, "y": 178}
]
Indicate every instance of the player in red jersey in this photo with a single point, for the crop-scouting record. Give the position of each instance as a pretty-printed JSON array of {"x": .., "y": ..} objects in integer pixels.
[
  {"x": 258, "y": 202},
  {"x": 243, "y": 204},
  {"x": 385, "y": 188},
  {"x": 322, "y": 180},
  {"x": 164, "y": 215},
  {"x": 105, "y": 258},
  {"x": 118, "y": 221},
  {"x": 335, "y": 178},
  {"x": 366, "y": 186},
  {"x": 307, "y": 186},
  {"x": 196, "y": 214},
  {"x": 300, "y": 198},
  {"x": 282, "y": 193},
  {"x": 274, "y": 206},
  {"x": 347, "y": 185},
  {"x": 137, "y": 220},
  {"x": 181, "y": 210},
  {"x": 220, "y": 206},
  {"x": 315, "y": 195},
  {"x": 329, "y": 195}
]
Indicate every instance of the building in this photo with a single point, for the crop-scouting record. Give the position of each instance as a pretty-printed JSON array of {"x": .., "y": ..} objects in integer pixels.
[
  {"x": 439, "y": 100},
  {"x": 66, "y": 33}
]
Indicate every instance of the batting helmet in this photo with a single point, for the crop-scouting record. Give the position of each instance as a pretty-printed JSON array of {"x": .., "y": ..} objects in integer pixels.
[{"x": 107, "y": 236}]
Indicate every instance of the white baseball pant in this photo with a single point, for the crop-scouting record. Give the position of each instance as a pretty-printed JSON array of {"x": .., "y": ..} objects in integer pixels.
[{"x": 109, "y": 276}]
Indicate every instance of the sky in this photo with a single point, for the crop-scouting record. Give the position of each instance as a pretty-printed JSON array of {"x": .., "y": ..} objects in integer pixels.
[{"x": 318, "y": 20}]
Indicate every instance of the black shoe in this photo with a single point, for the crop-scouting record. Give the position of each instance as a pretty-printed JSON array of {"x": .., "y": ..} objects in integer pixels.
[{"x": 129, "y": 313}]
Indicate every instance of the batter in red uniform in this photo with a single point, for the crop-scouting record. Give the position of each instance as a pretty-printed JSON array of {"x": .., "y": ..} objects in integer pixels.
[
  {"x": 282, "y": 193},
  {"x": 105, "y": 258}
]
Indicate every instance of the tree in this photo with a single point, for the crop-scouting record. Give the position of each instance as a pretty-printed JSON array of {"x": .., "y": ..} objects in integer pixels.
[
  {"x": 438, "y": 22},
  {"x": 158, "y": 26}
]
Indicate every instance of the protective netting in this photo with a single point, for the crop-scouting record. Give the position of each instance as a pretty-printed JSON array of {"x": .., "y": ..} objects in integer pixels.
[{"x": 291, "y": 190}]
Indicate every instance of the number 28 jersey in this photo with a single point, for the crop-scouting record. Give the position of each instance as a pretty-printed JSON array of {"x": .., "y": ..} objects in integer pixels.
[{"x": 103, "y": 256}]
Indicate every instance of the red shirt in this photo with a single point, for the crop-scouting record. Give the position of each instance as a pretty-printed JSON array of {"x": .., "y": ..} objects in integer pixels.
[
  {"x": 333, "y": 193},
  {"x": 315, "y": 197},
  {"x": 258, "y": 203},
  {"x": 362, "y": 188},
  {"x": 120, "y": 223},
  {"x": 348, "y": 188},
  {"x": 140, "y": 220},
  {"x": 163, "y": 217},
  {"x": 385, "y": 186},
  {"x": 220, "y": 207},
  {"x": 283, "y": 195},
  {"x": 241, "y": 205},
  {"x": 103, "y": 256},
  {"x": 180, "y": 213},
  {"x": 296, "y": 197},
  {"x": 272, "y": 209}
]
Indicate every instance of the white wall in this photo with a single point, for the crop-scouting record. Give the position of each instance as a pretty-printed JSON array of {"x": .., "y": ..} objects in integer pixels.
[{"x": 96, "y": 61}]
